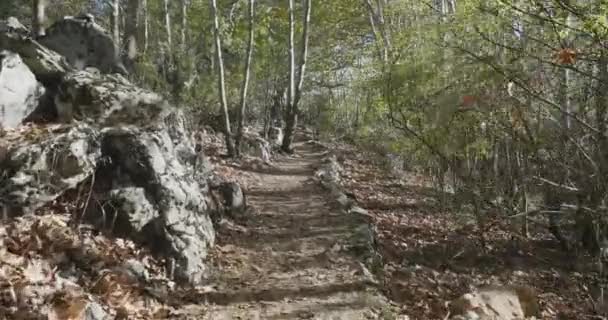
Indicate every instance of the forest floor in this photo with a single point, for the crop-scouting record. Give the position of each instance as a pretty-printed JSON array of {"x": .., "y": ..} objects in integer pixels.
[{"x": 290, "y": 259}]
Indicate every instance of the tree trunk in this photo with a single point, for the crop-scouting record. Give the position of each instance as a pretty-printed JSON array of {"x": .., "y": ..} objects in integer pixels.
[
  {"x": 221, "y": 81},
  {"x": 39, "y": 17},
  {"x": 167, "y": 14},
  {"x": 130, "y": 32},
  {"x": 115, "y": 21},
  {"x": 376, "y": 20},
  {"x": 146, "y": 25},
  {"x": 243, "y": 104},
  {"x": 184, "y": 5},
  {"x": 289, "y": 123},
  {"x": 295, "y": 92}
]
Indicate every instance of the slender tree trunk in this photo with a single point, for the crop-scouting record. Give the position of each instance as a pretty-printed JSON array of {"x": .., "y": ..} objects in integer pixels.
[
  {"x": 39, "y": 17},
  {"x": 295, "y": 91},
  {"x": 243, "y": 104},
  {"x": 146, "y": 25},
  {"x": 376, "y": 19},
  {"x": 116, "y": 26},
  {"x": 303, "y": 55},
  {"x": 289, "y": 122},
  {"x": 167, "y": 14},
  {"x": 130, "y": 32},
  {"x": 601, "y": 106},
  {"x": 184, "y": 5},
  {"x": 221, "y": 81},
  {"x": 382, "y": 49}
]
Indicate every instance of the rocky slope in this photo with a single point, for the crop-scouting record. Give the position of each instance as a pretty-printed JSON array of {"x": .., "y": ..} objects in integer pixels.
[{"x": 81, "y": 140}]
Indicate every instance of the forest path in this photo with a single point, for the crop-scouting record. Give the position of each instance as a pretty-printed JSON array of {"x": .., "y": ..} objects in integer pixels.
[{"x": 293, "y": 258}]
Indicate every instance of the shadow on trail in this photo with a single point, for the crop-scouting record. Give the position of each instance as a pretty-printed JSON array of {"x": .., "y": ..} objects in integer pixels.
[{"x": 275, "y": 294}]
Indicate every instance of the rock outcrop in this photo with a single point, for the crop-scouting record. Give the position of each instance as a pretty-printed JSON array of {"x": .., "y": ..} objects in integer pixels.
[
  {"x": 130, "y": 148},
  {"x": 84, "y": 44},
  {"x": 19, "y": 90},
  {"x": 48, "y": 66}
]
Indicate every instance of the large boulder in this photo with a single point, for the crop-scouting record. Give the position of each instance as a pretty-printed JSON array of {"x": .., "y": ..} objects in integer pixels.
[
  {"x": 84, "y": 44},
  {"x": 158, "y": 196},
  {"x": 19, "y": 90},
  {"x": 148, "y": 183},
  {"x": 12, "y": 25},
  {"x": 48, "y": 66},
  {"x": 39, "y": 165},
  {"x": 107, "y": 100}
]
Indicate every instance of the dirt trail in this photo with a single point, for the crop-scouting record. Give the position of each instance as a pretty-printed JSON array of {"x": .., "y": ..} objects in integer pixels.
[{"x": 293, "y": 258}]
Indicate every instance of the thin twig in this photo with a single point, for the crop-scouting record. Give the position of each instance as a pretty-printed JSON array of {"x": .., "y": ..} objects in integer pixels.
[{"x": 86, "y": 204}]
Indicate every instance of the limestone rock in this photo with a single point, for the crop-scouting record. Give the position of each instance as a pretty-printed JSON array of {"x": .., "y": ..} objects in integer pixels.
[
  {"x": 276, "y": 136},
  {"x": 84, "y": 44},
  {"x": 235, "y": 202},
  {"x": 496, "y": 303},
  {"x": 149, "y": 184},
  {"x": 167, "y": 200},
  {"x": 19, "y": 90},
  {"x": 40, "y": 166},
  {"x": 255, "y": 145},
  {"x": 94, "y": 311},
  {"x": 47, "y": 65},
  {"x": 12, "y": 25},
  {"x": 108, "y": 100}
]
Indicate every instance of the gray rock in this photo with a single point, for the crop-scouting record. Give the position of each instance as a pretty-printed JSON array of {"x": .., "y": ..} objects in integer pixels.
[
  {"x": 84, "y": 44},
  {"x": 38, "y": 169},
  {"x": 12, "y": 25},
  {"x": 133, "y": 206},
  {"x": 358, "y": 210},
  {"x": 19, "y": 90},
  {"x": 47, "y": 65},
  {"x": 135, "y": 270},
  {"x": 275, "y": 135},
  {"x": 95, "y": 311},
  {"x": 330, "y": 171},
  {"x": 148, "y": 180},
  {"x": 235, "y": 202},
  {"x": 175, "y": 222},
  {"x": 108, "y": 100},
  {"x": 255, "y": 145}
]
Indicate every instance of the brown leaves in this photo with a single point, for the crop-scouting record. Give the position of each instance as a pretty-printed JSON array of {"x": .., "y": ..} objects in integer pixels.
[
  {"x": 566, "y": 56},
  {"x": 468, "y": 101},
  {"x": 68, "y": 305},
  {"x": 34, "y": 253}
]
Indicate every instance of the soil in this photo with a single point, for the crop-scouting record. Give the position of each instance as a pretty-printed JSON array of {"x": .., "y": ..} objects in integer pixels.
[{"x": 291, "y": 258}]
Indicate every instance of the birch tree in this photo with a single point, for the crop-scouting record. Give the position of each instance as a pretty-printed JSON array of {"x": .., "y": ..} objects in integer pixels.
[
  {"x": 39, "y": 17},
  {"x": 184, "y": 22},
  {"x": 115, "y": 25},
  {"x": 146, "y": 25},
  {"x": 295, "y": 92},
  {"x": 221, "y": 81},
  {"x": 245, "y": 85},
  {"x": 167, "y": 15},
  {"x": 130, "y": 33}
]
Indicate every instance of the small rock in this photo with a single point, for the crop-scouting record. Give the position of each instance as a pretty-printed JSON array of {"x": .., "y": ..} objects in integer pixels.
[
  {"x": 358, "y": 210},
  {"x": 94, "y": 311},
  {"x": 137, "y": 269}
]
